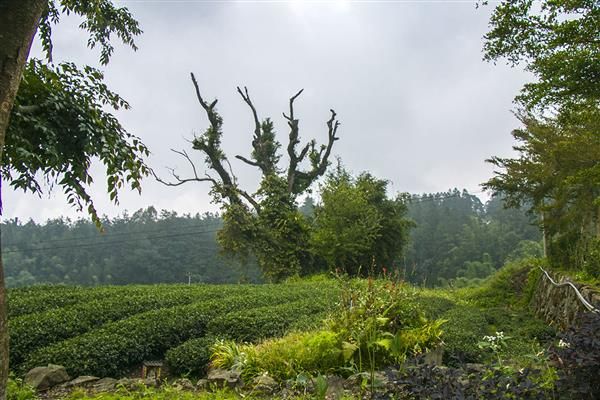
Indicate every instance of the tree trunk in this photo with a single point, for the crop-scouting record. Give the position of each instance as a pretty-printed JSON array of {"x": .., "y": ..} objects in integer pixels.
[{"x": 19, "y": 20}]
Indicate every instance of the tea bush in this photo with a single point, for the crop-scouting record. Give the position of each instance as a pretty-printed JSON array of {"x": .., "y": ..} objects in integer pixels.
[
  {"x": 250, "y": 325},
  {"x": 111, "y": 349},
  {"x": 191, "y": 357},
  {"x": 32, "y": 331},
  {"x": 244, "y": 325},
  {"x": 465, "y": 327}
]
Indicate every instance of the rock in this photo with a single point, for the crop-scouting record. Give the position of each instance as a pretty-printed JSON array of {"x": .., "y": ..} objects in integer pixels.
[
  {"x": 150, "y": 382},
  {"x": 471, "y": 367},
  {"x": 224, "y": 378},
  {"x": 105, "y": 385},
  {"x": 82, "y": 381},
  {"x": 183, "y": 384},
  {"x": 434, "y": 356},
  {"x": 44, "y": 378},
  {"x": 265, "y": 384},
  {"x": 127, "y": 383},
  {"x": 202, "y": 384},
  {"x": 335, "y": 387}
]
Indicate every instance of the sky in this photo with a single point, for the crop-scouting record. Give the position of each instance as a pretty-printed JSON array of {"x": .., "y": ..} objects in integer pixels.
[{"x": 417, "y": 104}]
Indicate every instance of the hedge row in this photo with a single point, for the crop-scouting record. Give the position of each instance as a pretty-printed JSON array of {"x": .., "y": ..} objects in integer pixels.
[
  {"x": 113, "y": 348},
  {"x": 244, "y": 325},
  {"x": 36, "y": 299},
  {"x": 32, "y": 331},
  {"x": 264, "y": 322}
]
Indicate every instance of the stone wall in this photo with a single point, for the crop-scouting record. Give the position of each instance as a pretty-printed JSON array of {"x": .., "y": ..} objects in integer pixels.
[{"x": 560, "y": 306}]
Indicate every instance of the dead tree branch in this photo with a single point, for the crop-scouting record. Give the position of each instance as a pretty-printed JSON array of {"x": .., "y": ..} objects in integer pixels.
[{"x": 298, "y": 181}]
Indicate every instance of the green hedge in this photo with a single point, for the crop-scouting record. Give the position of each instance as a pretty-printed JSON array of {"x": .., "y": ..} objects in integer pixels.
[
  {"x": 32, "y": 331},
  {"x": 248, "y": 325},
  {"x": 191, "y": 357},
  {"x": 113, "y": 348}
]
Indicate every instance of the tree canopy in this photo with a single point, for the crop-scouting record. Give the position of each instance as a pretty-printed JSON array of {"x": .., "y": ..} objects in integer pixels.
[
  {"x": 357, "y": 228},
  {"x": 558, "y": 42},
  {"x": 558, "y": 147},
  {"x": 59, "y": 125}
]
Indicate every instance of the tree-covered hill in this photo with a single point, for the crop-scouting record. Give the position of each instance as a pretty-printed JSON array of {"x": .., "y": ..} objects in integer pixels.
[
  {"x": 456, "y": 237},
  {"x": 145, "y": 247},
  {"x": 459, "y": 238}
]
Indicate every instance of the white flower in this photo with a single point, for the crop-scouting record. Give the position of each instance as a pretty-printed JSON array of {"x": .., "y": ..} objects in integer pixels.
[{"x": 562, "y": 344}]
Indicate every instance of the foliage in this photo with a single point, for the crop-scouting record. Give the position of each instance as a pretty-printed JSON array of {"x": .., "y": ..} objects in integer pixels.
[
  {"x": 134, "y": 248},
  {"x": 577, "y": 356},
  {"x": 456, "y": 236},
  {"x": 59, "y": 124},
  {"x": 114, "y": 347},
  {"x": 250, "y": 324},
  {"x": 357, "y": 228},
  {"x": 427, "y": 382},
  {"x": 558, "y": 42},
  {"x": 101, "y": 20},
  {"x": 374, "y": 324},
  {"x": 191, "y": 357},
  {"x": 165, "y": 392},
  {"x": 379, "y": 321},
  {"x": 284, "y": 358},
  {"x": 267, "y": 223},
  {"x": 465, "y": 327},
  {"x": 40, "y": 329},
  {"x": 17, "y": 390},
  {"x": 557, "y": 171},
  {"x": 450, "y": 235}
]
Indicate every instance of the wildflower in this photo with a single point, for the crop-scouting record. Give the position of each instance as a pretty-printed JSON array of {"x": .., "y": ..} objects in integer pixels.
[{"x": 563, "y": 345}]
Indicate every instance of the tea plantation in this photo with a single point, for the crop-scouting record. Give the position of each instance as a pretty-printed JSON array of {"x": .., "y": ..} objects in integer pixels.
[{"x": 107, "y": 331}]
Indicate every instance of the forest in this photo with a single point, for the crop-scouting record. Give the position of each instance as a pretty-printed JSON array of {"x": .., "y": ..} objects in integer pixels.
[{"x": 456, "y": 240}]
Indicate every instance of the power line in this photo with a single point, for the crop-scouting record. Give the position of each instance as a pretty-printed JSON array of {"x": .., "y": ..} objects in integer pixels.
[
  {"x": 117, "y": 242},
  {"x": 117, "y": 234}
]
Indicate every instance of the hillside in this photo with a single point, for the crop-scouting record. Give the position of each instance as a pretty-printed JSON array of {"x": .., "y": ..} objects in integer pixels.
[{"x": 303, "y": 329}]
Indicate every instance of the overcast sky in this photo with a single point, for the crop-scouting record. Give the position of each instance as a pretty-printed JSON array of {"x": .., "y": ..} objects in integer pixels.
[{"x": 417, "y": 104}]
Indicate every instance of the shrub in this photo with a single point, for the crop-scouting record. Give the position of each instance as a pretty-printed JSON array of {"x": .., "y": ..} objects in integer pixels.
[
  {"x": 191, "y": 357},
  {"x": 111, "y": 349},
  {"x": 32, "y": 331},
  {"x": 426, "y": 382},
  {"x": 283, "y": 358},
  {"x": 243, "y": 325},
  {"x": 17, "y": 390},
  {"x": 264, "y": 322}
]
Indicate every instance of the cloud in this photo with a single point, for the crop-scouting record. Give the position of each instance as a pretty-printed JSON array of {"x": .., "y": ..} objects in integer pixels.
[{"x": 418, "y": 105}]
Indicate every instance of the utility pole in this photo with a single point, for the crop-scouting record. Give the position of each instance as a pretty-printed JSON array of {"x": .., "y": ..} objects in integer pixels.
[{"x": 189, "y": 275}]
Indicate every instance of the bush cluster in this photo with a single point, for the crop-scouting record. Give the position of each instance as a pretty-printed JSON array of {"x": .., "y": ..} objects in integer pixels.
[
  {"x": 32, "y": 331},
  {"x": 113, "y": 348},
  {"x": 251, "y": 324},
  {"x": 374, "y": 324}
]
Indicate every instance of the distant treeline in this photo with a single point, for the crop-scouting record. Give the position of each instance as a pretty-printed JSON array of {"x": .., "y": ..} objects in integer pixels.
[
  {"x": 145, "y": 247},
  {"x": 457, "y": 238}
]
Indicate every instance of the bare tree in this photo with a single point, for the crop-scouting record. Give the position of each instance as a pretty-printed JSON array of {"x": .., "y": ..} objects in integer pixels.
[{"x": 253, "y": 220}]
